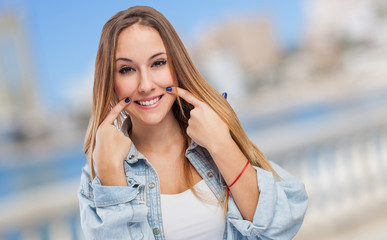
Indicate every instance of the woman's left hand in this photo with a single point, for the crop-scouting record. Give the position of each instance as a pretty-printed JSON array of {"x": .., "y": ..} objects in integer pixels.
[{"x": 205, "y": 127}]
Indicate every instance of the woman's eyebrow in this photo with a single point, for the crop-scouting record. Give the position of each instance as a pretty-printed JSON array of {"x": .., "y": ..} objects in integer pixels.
[
  {"x": 155, "y": 55},
  {"x": 130, "y": 60},
  {"x": 124, "y": 59}
]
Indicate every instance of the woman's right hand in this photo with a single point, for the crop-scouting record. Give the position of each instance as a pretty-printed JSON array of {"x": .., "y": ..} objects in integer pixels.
[{"x": 111, "y": 149}]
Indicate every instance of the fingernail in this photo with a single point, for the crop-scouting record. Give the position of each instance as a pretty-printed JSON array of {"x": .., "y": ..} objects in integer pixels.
[
  {"x": 224, "y": 95},
  {"x": 127, "y": 100},
  {"x": 169, "y": 89}
]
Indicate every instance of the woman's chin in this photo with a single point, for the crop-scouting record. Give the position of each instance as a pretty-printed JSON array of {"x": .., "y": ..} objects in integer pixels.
[{"x": 151, "y": 120}]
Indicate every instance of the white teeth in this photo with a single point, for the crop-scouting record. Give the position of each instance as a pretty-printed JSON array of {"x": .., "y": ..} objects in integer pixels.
[{"x": 148, "y": 103}]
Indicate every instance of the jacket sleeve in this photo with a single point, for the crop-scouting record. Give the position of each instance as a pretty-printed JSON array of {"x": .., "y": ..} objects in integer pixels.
[
  {"x": 109, "y": 212},
  {"x": 281, "y": 207}
]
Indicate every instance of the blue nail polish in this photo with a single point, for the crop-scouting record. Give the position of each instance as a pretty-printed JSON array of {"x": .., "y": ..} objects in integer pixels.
[
  {"x": 224, "y": 95},
  {"x": 169, "y": 89},
  {"x": 127, "y": 100}
]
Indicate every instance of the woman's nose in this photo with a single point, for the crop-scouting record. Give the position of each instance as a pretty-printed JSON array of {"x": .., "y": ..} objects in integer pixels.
[{"x": 146, "y": 82}]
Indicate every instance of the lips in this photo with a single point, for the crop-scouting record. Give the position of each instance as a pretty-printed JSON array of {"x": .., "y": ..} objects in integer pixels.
[{"x": 149, "y": 101}]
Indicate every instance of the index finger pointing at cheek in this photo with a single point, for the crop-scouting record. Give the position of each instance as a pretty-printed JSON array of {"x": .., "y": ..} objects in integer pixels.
[
  {"x": 184, "y": 94},
  {"x": 116, "y": 110}
]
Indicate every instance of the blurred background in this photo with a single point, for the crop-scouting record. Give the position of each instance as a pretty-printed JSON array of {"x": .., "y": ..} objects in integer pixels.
[{"x": 308, "y": 79}]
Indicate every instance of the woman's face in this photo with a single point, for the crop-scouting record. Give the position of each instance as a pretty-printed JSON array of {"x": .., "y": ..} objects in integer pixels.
[{"x": 142, "y": 73}]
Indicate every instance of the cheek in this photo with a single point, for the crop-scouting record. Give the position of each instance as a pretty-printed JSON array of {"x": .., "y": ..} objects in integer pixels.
[
  {"x": 123, "y": 89},
  {"x": 164, "y": 80}
]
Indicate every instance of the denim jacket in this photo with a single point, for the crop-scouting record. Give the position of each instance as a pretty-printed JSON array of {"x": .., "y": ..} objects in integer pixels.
[{"x": 134, "y": 211}]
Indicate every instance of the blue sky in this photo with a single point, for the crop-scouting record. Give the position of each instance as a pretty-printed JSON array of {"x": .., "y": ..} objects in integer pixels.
[{"x": 64, "y": 35}]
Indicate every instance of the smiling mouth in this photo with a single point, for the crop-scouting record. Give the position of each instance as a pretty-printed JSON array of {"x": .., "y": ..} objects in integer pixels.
[{"x": 150, "y": 102}]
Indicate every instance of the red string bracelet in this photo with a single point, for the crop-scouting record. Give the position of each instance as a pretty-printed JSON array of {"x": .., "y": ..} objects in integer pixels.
[{"x": 240, "y": 174}]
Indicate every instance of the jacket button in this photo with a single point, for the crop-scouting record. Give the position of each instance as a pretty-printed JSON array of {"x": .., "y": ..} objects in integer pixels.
[
  {"x": 156, "y": 231},
  {"x": 131, "y": 157},
  {"x": 210, "y": 175},
  {"x": 151, "y": 185}
]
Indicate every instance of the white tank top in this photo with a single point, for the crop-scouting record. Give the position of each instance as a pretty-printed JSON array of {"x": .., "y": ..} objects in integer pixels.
[{"x": 187, "y": 217}]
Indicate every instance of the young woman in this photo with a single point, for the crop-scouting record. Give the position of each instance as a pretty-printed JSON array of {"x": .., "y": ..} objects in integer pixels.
[{"x": 166, "y": 155}]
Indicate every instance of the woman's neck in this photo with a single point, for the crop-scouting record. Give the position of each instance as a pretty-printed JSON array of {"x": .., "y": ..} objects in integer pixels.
[{"x": 157, "y": 138}]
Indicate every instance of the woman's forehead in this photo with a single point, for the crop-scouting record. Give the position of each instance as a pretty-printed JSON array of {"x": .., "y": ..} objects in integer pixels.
[{"x": 138, "y": 41}]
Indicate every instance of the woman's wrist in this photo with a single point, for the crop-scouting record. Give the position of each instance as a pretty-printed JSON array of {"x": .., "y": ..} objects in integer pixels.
[
  {"x": 112, "y": 176},
  {"x": 220, "y": 147}
]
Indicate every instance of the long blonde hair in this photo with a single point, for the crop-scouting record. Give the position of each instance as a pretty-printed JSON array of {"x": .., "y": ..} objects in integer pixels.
[{"x": 187, "y": 77}]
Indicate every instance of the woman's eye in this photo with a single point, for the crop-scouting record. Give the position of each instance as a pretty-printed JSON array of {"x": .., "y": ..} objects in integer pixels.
[
  {"x": 159, "y": 63},
  {"x": 125, "y": 70}
]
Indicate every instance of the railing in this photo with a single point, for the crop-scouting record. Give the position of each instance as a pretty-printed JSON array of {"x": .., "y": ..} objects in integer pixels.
[{"x": 343, "y": 163}]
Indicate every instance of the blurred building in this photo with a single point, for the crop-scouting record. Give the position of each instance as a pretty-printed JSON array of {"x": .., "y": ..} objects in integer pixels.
[
  {"x": 347, "y": 37},
  {"x": 239, "y": 55},
  {"x": 26, "y": 126},
  {"x": 38, "y": 190},
  {"x": 22, "y": 116}
]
